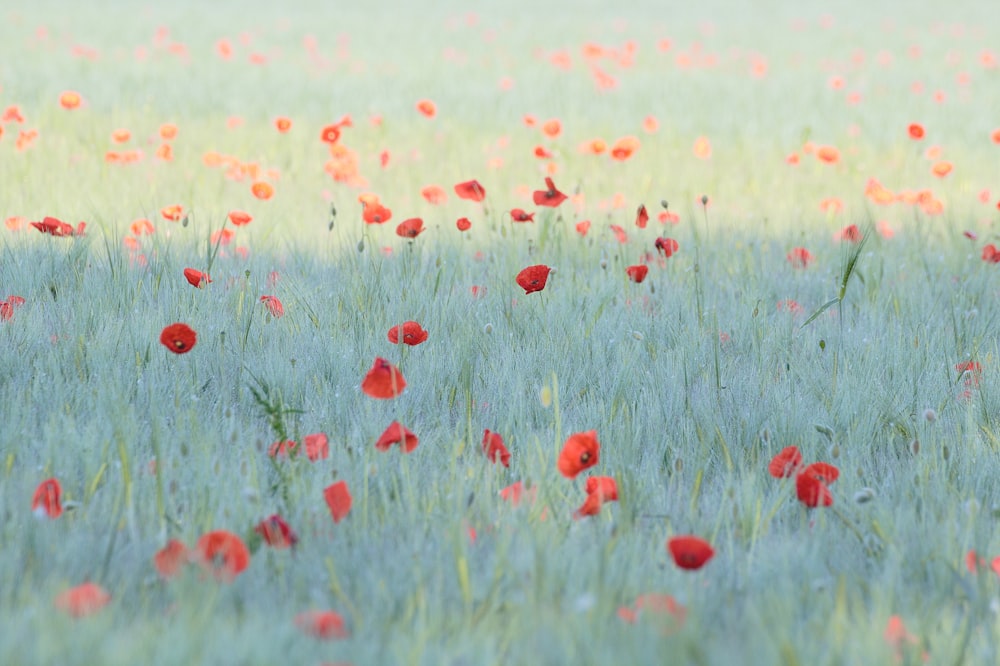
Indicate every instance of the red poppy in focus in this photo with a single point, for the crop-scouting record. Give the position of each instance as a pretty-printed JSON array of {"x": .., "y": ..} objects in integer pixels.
[
  {"x": 413, "y": 334},
  {"x": 276, "y": 532},
  {"x": 410, "y": 228},
  {"x": 600, "y": 489},
  {"x": 550, "y": 197},
  {"x": 471, "y": 190},
  {"x": 383, "y": 381},
  {"x": 581, "y": 451},
  {"x": 641, "y": 217},
  {"x": 434, "y": 194},
  {"x": 825, "y": 472},
  {"x": 223, "y": 554},
  {"x": 637, "y": 273},
  {"x": 376, "y": 213},
  {"x": 812, "y": 492},
  {"x": 397, "y": 434},
  {"x": 178, "y": 338},
  {"x": 47, "y": 501},
  {"x": 196, "y": 278},
  {"x": 666, "y": 246},
  {"x": 799, "y": 257},
  {"x": 321, "y": 624},
  {"x": 786, "y": 463},
  {"x": 916, "y": 131},
  {"x": 690, "y": 552},
  {"x": 273, "y": 305},
  {"x": 317, "y": 446},
  {"x": 240, "y": 218},
  {"x": 519, "y": 215},
  {"x": 83, "y": 600},
  {"x": 463, "y": 224},
  {"x": 169, "y": 559},
  {"x": 338, "y": 500},
  {"x": 533, "y": 278},
  {"x": 494, "y": 448}
]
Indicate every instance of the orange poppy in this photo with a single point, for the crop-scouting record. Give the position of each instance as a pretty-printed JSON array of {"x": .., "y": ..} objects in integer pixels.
[
  {"x": 494, "y": 448},
  {"x": 594, "y": 146},
  {"x": 916, "y": 131},
  {"x": 83, "y": 600},
  {"x": 283, "y": 124},
  {"x": 142, "y": 227},
  {"x": 223, "y": 554},
  {"x": 169, "y": 559},
  {"x": 619, "y": 233},
  {"x": 552, "y": 128},
  {"x": 383, "y": 381},
  {"x": 637, "y": 273},
  {"x": 178, "y": 338},
  {"x": 434, "y": 194},
  {"x": 702, "y": 148},
  {"x": 427, "y": 108},
  {"x": 624, "y": 148},
  {"x": 173, "y": 213},
  {"x": 121, "y": 135},
  {"x": 690, "y": 552},
  {"x": 582, "y": 227},
  {"x": 240, "y": 218},
  {"x": 322, "y": 624},
  {"x": 168, "y": 131},
  {"x": 338, "y": 500},
  {"x": 47, "y": 502},
  {"x": 412, "y": 334},
  {"x": 12, "y": 114},
  {"x": 273, "y": 305},
  {"x": 550, "y": 197},
  {"x": 165, "y": 152},
  {"x": 828, "y": 154},
  {"x": 995, "y": 136},
  {"x": 375, "y": 213},
  {"x": 397, "y": 434},
  {"x": 262, "y": 190},
  {"x": 650, "y": 124},
  {"x": 221, "y": 236},
  {"x": 942, "y": 168},
  {"x": 471, "y": 190},
  {"x": 463, "y": 224},
  {"x": 581, "y": 451},
  {"x": 786, "y": 463},
  {"x": 519, "y": 215},
  {"x": 317, "y": 446},
  {"x": 533, "y": 278},
  {"x": 276, "y": 532},
  {"x": 14, "y": 222},
  {"x": 529, "y": 120},
  {"x": 196, "y": 278},
  {"x": 410, "y": 228},
  {"x": 70, "y": 100}
]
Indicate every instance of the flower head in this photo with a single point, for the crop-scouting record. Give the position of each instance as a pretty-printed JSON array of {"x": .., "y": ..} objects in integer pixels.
[
  {"x": 178, "y": 338},
  {"x": 223, "y": 554},
  {"x": 383, "y": 381},
  {"x": 412, "y": 334},
  {"x": 690, "y": 552},
  {"x": 533, "y": 278},
  {"x": 581, "y": 451},
  {"x": 397, "y": 434}
]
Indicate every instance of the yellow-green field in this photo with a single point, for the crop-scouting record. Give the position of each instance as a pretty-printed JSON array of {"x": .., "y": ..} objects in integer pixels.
[{"x": 818, "y": 270}]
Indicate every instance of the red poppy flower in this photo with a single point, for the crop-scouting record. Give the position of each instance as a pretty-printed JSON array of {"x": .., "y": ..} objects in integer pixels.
[
  {"x": 282, "y": 449},
  {"x": 383, "y": 381},
  {"x": 811, "y": 491},
  {"x": 178, "y": 338},
  {"x": 338, "y": 500},
  {"x": 471, "y": 190},
  {"x": 641, "y": 217},
  {"x": 916, "y": 131},
  {"x": 542, "y": 153},
  {"x": 552, "y": 128},
  {"x": 825, "y": 472},
  {"x": 619, "y": 233},
  {"x": 519, "y": 215},
  {"x": 463, "y": 224},
  {"x": 494, "y": 448},
  {"x": 785, "y": 463},
  {"x": 196, "y": 278},
  {"x": 583, "y": 227},
  {"x": 828, "y": 154},
  {"x": 581, "y": 451},
  {"x": 330, "y": 134},
  {"x": 410, "y": 228},
  {"x": 317, "y": 446},
  {"x": 55, "y": 227},
  {"x": 173, "y": 213},
  {"x": 991, "y": 254},
  {"x": 397, "y": 434},
  {"x": 223, "y": 554},
  {"x": 850, "y": 233},
  {"x": 637, "y": 273},
  {"x": 624, "y": 148},
  {"x": 413, "y": 334},
  {"x": 666, "y": 246},
  {"x": 550, "y": 196},
  {"x": 799, "y": 257},
  {"x": 376, "y": 213},
  {"x": 262, "y": 190},
  {"x": 600, "y": 489},
  {"x": 276, "y": 532},
  {"x": 321, "y": 624},
  {"x": 47, "y": 502},
  {"x": 83, "y": 600},
  {"x": 690, "y": 552},
  {"x": 427, "y": 108},
  {"x": 283, "y": 124},
  {"x": 273, "y": 305},
  {"x": 434, "y": 194},
  {"x": 169, "y": 559},
  {"x": 240, "y": 218},
  {"x": 533, "y": 278},
  {"x": 70, "y": 100}
]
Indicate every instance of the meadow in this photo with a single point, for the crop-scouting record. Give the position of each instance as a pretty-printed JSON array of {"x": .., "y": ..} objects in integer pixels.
[{"x": 740, "y": 409}]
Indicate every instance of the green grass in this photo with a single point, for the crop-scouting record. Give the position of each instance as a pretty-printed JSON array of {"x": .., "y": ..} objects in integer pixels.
[{"x": 687, "y": 421}]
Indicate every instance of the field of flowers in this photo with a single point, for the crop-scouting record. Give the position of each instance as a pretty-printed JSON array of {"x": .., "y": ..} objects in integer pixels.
[{"x": 513, "y": 333}]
